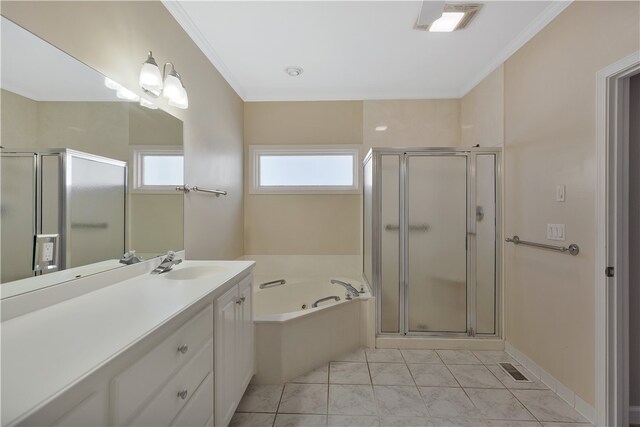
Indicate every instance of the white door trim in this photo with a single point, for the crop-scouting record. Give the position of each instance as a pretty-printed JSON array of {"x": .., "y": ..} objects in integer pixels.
[{"x": 612, "y": 363}]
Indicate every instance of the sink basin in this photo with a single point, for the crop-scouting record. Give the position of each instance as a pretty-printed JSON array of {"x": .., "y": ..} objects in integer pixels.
[{"x": 191, "y": 273}]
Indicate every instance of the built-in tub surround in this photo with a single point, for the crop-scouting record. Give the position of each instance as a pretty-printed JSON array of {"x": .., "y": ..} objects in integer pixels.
[{"x": 293, "y": 337}]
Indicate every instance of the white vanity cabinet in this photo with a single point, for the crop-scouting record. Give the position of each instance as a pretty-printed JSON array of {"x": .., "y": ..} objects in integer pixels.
[
  {"x": 190, "y": 370},
  {"x": 234, "y": 352}
]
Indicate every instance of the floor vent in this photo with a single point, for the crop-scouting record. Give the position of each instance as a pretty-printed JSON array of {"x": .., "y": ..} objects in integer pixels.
[{"x": 514, "y": 372}]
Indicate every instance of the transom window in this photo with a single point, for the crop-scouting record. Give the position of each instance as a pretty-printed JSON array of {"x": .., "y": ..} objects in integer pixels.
[
  {"x": 303, "y": 170},
  {"x": 157, "y": 169}
]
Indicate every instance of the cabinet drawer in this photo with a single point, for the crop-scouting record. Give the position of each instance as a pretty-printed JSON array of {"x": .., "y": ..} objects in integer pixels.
[
  {"x": 167, "y": 402},
  {"x": 199, "y": 408},
  {"x": 134, "y": 386}
]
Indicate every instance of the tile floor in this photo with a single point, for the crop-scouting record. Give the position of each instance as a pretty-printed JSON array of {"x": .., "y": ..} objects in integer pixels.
[{"x": 388, "y": 387}]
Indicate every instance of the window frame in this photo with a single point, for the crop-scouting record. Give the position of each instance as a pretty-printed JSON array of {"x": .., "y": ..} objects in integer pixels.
[
  {"x": 257, "y": 151},
  {"x": 137, "y": 155}
]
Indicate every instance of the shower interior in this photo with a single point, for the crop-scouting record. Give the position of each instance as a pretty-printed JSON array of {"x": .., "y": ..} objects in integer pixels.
[{"x": 430, "y": 240}]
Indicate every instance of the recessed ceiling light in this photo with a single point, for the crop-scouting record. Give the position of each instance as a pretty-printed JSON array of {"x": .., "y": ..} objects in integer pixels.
[
  {"x": 382, "y": 128},
  {"x": 294, "y": 71},
  {"x": 454, "y": 17}
]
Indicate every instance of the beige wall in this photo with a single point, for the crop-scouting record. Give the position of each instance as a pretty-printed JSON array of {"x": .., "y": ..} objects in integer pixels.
[
  {"x": 286, "y": 224},
  {"x": 113, "y": 38},
  {"x": 482, "y": 112},
  {"x": 331, "y": 224},
  {"x": 412, "y": 123},
  {"x": 549, "y": 88},
  {"x": 634, "y": 241}
]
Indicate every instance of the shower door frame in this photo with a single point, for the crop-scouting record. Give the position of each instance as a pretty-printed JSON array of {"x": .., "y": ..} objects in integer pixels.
[{"x": 470, "y": 153}]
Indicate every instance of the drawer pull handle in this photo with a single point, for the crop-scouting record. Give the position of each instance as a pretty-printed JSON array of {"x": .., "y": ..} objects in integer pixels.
[
  {"x": 183, "y": 348},
  {"x": 182, "y": 394},
  {"x": 240, "y": 300}
]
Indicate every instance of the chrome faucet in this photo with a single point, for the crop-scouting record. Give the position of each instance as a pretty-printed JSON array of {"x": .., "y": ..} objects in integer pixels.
[
  {"x": 351, "y": 291},
  {"x": 167, "y": 263}
]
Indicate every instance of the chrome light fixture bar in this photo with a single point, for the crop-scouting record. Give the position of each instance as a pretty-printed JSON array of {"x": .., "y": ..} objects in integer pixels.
[{"x": 169, "y": 85}]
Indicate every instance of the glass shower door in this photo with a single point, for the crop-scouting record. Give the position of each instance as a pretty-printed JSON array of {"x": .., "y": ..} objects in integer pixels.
[{"x": 436, "y": 230}]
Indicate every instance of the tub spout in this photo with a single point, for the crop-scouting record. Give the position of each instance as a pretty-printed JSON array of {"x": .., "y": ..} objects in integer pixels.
[{"x": 351, "y": 291}]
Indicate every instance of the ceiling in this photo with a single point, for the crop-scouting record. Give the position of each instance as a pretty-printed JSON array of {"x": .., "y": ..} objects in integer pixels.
[
  {"x": 37, "y": 70},
  {"x": 354, "y": 49}
]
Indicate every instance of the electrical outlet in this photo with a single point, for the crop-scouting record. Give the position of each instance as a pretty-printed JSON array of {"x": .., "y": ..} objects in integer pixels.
[
  {"x": 47, "y": 251},
  {"x": 555, "y": 231},
  {"x": 560, "y": 193}
]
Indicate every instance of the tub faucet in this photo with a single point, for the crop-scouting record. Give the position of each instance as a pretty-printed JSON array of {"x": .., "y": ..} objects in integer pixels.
[
  {"x": 167, "y": 263},
  {"x": 351, "y": 291}
]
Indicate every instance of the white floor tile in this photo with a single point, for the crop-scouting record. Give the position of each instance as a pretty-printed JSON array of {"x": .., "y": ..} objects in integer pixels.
[
  {"x": 458, "y": 357},
  {"x": 317, "y": 376},
  {"x": 300, "y": 420},
  {"x": 493, "y": 357},
  {"x": 547, "y": 406},
  {"x": 353, "y": 421},
  {"x": 399, "y": 400},
  {"x": 432, "y": 375},
  {"x": 248, "y": 419},
  {"x": 304, "y": 399},
  {"x": 261, "y": 398},
  {"x": 446, "y": 402},
  {"x": 349, "y": 373},
  {"x": 390, "y": 374},
  {"x": 384, "y": 355},
  {"x": 351, "y": 400},
  {"x": 498, "y": 404},
  {"x": 421, "y": 356},
  {"x": 475, "y": 376},
  {"x": 353, "y": 356}
]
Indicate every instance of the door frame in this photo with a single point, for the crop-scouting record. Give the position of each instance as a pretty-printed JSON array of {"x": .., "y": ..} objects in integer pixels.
[{"x": 611, "y": 293}]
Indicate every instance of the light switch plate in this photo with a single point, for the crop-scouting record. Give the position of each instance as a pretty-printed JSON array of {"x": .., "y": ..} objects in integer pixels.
[
  {"x": 560, "y": 193},
  {"x": 555, "y": 232},
  {"x": 45, "y": 252}
]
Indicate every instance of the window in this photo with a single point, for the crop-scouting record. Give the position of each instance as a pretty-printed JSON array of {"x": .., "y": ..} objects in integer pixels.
[
  {"x": 303, "y": 170},
  {"x": 157, "y": 169}
]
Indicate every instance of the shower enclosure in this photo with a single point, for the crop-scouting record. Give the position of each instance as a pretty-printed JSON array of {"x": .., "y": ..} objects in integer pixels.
[
  {"x": 77, "y": 196},
  {"x": 431, "y": 232}
]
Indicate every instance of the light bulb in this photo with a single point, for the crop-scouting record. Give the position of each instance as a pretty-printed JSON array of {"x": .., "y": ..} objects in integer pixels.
[
  {"x": 182, "y": 100},
  {"x": 172, "y": 87}
]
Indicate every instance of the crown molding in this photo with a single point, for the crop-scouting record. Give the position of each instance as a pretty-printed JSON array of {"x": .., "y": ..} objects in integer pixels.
[
  {"x": 534, "y": 27},
  {"x": 182, "y": 17}
]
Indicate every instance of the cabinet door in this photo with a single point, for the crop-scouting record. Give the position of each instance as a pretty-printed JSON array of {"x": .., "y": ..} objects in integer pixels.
[
  {"x": 226, "y": 333},
  {"x": 245, "y": 334}
]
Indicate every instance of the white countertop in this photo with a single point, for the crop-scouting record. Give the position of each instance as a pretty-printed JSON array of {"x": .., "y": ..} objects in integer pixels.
[{"x": 49, "y": 350}]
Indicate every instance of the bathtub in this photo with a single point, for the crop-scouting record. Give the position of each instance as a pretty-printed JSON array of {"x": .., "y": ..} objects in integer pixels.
[{"x": 293, "y": 337}]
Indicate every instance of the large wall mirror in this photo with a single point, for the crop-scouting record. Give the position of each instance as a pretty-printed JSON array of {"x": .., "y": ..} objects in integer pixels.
[{"x": 88, "y": 169}]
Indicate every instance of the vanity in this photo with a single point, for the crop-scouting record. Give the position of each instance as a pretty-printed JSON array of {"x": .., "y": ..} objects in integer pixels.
[{"x": 155, "y": 349}]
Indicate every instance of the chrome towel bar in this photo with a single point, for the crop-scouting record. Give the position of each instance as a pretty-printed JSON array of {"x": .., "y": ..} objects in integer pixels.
[
  {"x": 273, "y": 283},
  {"x": 573, "y": 249},
  {"x": 187, "y": 189},
  {"x": 412, "y": 227}
]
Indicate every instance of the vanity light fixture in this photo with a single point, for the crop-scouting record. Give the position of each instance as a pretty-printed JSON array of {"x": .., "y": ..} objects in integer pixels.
[
  {"x": 169, "y": 85},
  {"x": 148, "y": 104}
]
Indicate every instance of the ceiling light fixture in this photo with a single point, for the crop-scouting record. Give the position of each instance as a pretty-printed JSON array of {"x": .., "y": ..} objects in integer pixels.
[
  {"x": 454, "y": 17},
  {"x": 382, "y": 128},
  {"x": 294, "y": 71},
  {"x": 148, "y": 104},
  {"x": 169, "y": 85}
]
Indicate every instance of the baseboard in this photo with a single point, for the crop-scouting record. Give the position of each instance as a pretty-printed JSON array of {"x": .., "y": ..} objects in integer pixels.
[
  {"x": 634, "y": 415},
  {"x": 565, "y": 393}
]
